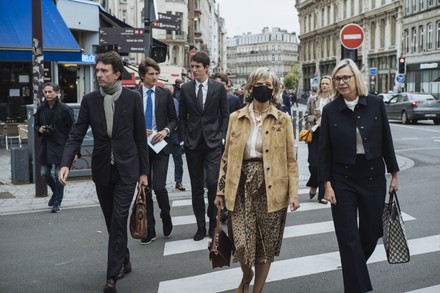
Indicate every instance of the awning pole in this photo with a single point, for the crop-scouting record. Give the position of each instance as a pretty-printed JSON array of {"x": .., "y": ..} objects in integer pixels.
[{"x": 37, "y": 84}]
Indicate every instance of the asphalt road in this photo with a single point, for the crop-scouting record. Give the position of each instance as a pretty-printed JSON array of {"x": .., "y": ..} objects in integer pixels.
[{"x": 66, "y": 252}]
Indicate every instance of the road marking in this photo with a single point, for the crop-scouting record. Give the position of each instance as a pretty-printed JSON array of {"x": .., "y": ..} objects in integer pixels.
[
  {"x": 188, "y": 202},
  {"x": 189, "y": 245},
  {"x": 305, "y": 206},
  {"x": 285, "y": 269},
  {"x": 417, "y": 149},
  {"x": 432, "y": 289}
]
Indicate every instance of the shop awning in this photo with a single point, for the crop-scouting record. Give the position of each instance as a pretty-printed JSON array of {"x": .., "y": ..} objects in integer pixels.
[{"x": 16, "y": 33}]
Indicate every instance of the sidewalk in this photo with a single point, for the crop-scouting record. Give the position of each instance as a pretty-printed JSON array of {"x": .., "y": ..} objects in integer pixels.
[{"x": 81, "y": 192}]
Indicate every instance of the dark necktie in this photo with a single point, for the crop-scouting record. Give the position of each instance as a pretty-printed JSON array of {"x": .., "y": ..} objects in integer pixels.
[
  {"x": 149, "y": 111},
  {"x": 200, "y": 96}
]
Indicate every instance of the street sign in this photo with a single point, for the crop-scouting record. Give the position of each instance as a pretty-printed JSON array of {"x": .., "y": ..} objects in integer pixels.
[
  {"x": 400, "y": 78},
  {"x": 351, "y": 36},
  {"x": 128, "y": 40},
  {"x": 166, "y": 17},
  {"x": 166, "y": 26},
  {"x": 373, "y": 71}
]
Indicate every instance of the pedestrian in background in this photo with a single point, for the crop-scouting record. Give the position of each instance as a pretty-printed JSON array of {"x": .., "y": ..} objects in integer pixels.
[
  {"x": 233, "y": 101},
  {"x": 286, "y": 99},
  {"x": 315, "y": 105},
  {"x": 176, "y": 140},
  {"x": 203, "y": 121},
  {"x": 160, "y": 120},
  {"x": 355, "y": 145},
  {"x": 52, "y": 122},
  {"x": 258, "y": 178},
  {"x": 120, "y": 155}
]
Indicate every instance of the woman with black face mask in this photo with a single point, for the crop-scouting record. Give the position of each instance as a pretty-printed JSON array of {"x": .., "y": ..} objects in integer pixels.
[{"x": 258, "y": 178}]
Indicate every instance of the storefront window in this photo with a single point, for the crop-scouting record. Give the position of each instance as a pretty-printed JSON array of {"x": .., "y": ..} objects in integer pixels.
[
  {"x": 68, "y": 82},
  {"x": 15, "y": 91}
]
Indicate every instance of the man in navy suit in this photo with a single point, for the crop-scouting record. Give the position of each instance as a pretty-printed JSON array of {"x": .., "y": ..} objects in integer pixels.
[
  {"x": 203, "y": 121},
  {"x": 160, "y": 120},
  {"x": 120, "y": 155}
]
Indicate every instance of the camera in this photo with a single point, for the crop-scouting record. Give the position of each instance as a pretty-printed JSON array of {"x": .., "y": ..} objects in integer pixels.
[{"x": 49, "y": 130}]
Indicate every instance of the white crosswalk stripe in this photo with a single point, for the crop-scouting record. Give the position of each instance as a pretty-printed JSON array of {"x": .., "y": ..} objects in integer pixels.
[{"x": 297, "y": 267}]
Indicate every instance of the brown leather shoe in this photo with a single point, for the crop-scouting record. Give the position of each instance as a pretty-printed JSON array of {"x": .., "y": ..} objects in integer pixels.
[
  {"x": 124, "y": 270},
  {"x": 110, "y": 286},
  {"x": 179, "y": 186}
]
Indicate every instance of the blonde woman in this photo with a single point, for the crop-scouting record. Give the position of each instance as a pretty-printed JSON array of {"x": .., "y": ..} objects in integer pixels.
[
  {"x": 354, "y": 148},
  {"x": 258, "y": 178},
  {"x": 315, "y": 105}
]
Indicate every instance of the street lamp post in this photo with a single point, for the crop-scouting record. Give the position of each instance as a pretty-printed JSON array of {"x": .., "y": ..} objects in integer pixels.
[{"x": 147, "y": 28}]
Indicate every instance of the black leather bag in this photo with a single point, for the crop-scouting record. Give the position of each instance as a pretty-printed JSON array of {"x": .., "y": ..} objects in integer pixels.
[
  {"x": 138, "y": 218},
  {"x": 220, "y": 246}
]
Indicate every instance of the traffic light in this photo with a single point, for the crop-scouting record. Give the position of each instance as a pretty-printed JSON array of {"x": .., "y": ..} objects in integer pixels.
[{"x": 402, "y": 65}]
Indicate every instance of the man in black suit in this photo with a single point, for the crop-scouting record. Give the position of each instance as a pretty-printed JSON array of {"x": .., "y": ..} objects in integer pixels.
[
  {"x": 160, "y": 120},
  {"x": 233, "y": 101},
  {"x": 120, "y": 155},
  {"x": 203, "y": 121}
]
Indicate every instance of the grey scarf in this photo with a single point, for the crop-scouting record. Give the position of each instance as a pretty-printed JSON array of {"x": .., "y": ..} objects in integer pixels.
[{"x": 111, "y": 95}]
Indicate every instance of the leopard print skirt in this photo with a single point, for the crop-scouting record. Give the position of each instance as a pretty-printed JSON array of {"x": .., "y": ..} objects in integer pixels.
[{"x": 256, "y": 234}]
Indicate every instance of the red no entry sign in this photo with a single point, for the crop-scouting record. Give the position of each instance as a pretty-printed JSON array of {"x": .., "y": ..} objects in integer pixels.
[{"x": 351, "y": 36}]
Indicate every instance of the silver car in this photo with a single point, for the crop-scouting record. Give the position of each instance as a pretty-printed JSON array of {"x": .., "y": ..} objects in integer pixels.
[{"x": 411, "y": 107}]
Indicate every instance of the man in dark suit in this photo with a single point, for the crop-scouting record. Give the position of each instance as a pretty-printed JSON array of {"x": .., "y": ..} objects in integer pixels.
[
  {"x": 160, "y": 120},
  {"x": 286, "y": 99},
  {"x": 203, "y": 121},
  {"x": 120, "y": 155},
  {"x": 233, "y": 101}
]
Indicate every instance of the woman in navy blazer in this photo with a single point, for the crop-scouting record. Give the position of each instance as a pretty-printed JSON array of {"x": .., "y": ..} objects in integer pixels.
[{"x": 355, "y": 141}]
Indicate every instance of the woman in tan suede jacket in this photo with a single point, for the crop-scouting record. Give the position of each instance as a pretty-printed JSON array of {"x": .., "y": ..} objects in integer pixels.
[{"x": 258, "y": 178}]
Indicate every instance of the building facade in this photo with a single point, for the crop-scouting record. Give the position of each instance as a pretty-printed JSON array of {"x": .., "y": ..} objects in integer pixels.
[
  {"x": 320, "y": 26},
  {"x": 392, "y": 29},
  {"x": 421, "y": 45},
  {"x": 274, "y": 48}
]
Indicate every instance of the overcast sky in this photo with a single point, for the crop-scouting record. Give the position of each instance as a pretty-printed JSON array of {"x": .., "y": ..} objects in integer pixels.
[{"x": 243, "y": 16}]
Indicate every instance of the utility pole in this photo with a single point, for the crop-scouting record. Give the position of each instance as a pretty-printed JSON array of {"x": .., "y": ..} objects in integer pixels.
[
  {"x": 147, "y": 28},
  {"x": 37, "y": 84}
]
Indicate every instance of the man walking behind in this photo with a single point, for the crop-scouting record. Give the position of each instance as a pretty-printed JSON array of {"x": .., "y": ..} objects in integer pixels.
[
  {"x": 52, "y": 122},
  {"x": 160, "y": 120},
  {"x": 120, "y": 155},
  {"x": 203, "y": 121}
]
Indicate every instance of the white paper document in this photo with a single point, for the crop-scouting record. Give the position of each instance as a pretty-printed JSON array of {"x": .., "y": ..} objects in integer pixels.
[{"x": 158, "y": 146}]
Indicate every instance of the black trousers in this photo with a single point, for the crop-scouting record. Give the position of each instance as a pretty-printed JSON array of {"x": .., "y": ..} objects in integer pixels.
[
  {"x": 115, "y": 200},
  {"x": 312, "y": 159},
  {"x": 157, "y": 183},
  {"x": 360, "y": 190},
  {"x": 204, "y": 164}
]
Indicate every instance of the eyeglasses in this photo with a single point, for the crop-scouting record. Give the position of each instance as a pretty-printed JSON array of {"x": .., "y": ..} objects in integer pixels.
[{"x": 345, "y": 78}]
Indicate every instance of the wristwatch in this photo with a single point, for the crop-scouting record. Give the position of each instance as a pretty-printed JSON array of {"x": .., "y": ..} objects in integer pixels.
[{"x": 167, "y": 130}]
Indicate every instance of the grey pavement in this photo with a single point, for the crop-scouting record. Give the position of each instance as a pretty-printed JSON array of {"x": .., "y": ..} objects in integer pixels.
[{"x": 81, "y": 192}]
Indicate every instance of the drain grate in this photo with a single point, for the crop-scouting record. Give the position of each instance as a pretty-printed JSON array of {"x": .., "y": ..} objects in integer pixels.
[{"x": 6, "y": 195}]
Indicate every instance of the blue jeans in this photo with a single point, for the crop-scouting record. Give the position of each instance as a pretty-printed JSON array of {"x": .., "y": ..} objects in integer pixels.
[
  {"x": 56, "y": 187},
  {"x": 177, "y": 157}
]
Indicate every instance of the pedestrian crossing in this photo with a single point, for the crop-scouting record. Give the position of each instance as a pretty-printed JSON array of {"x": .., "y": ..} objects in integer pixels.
[{"x": 297, "y": 267}]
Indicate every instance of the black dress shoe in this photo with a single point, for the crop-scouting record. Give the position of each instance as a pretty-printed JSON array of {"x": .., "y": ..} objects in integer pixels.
[
  {"x": 124, "y": 270},
  {"x": 167, "y": 227},
  {"x": 312, "y": 195},
  {"x": 110, "y": 286},
  {"x": 200, "y": 234},
  {"x": 151, "y": 236}
]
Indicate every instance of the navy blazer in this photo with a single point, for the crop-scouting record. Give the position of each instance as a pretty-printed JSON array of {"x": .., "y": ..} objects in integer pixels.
[
  {"x": 166, "y": 116},
  {"x": 128, "y": 141},
  {"x": 212, "y": 120},
  {"x": 337, "y": 140}
]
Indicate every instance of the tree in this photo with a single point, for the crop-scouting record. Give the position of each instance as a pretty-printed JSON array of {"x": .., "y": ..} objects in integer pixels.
[{"x": 292, "y": 77}]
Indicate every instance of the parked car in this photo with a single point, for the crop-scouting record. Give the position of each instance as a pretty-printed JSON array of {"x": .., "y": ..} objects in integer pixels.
[
  {"x": 386, "y": 96},
  {"x": 411, "y": 107}
]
